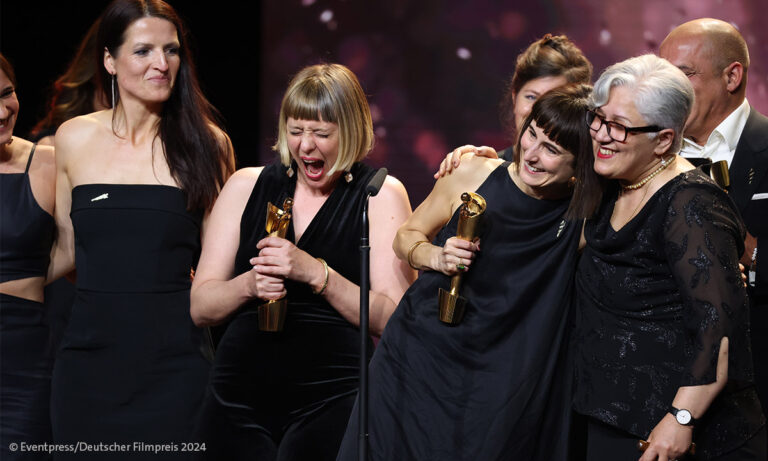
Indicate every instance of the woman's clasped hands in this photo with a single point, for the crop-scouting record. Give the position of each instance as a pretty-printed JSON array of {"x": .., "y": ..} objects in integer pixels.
[{"x": 278, "y": 260}]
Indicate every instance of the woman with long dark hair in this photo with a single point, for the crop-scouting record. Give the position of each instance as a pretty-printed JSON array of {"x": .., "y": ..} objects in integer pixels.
[{"x": 137, "y": 181}]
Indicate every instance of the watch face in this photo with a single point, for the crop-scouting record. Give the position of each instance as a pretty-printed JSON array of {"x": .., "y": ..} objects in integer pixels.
[{"x": 683, "y": 416}]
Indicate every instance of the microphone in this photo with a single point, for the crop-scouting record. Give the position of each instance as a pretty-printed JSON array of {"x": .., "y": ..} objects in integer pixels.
[{"x": 374, "y": 185}]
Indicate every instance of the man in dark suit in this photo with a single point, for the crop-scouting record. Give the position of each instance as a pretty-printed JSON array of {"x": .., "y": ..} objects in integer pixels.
[{"x": 722, "y": 126}]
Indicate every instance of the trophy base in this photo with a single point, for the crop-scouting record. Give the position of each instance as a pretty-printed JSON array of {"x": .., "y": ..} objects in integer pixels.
[
  {"x": 451, "y": 307},
  {"x": 272, "y": 315}
]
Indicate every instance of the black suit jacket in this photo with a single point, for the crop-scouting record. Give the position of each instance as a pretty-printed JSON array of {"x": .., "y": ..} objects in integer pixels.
[{"x": 749, "y": 176}]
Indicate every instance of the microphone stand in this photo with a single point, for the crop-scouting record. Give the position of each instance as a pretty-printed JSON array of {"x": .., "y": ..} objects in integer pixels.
[{"x": 365, "y": 253}]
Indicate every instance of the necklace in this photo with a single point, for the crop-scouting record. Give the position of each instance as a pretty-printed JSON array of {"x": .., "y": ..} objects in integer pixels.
[
  {"x": 637, "y": 207},
  {"x": 664, "y": 163}
]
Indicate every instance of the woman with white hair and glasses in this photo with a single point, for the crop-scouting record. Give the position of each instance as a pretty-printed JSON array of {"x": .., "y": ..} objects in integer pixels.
[{"x": 663, "y": 362}]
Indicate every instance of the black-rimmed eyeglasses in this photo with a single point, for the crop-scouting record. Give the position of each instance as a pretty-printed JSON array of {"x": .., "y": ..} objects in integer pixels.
[{"x": 616, "y": 131}]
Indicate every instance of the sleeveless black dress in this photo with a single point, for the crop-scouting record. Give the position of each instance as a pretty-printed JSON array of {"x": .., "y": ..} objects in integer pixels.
[
  {"x": 26, "y": 236},
  {"x": 287, "y": 395},
  {"x": 496, "y": 386},
  {"x": 130, "y": 368}
]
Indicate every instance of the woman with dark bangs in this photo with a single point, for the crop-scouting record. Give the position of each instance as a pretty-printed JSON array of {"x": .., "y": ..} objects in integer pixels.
[
  {"x": 287, "y": 394},
  {"x": 134, "y": 184},
  {"x": 495, "y": 386}
]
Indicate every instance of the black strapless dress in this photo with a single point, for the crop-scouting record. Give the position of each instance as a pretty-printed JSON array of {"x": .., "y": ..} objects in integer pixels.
[
  {"x": 288, "y": 395},
  {"x": 130, "y": 367},
  {"x": 496, "y": 386}
]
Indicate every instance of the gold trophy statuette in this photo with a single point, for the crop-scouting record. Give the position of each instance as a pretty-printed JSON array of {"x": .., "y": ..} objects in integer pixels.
[
  {"x": 451, "y": 303},
  {"x": 272, "y": 313},
  {"x": 719, "y": 173}
]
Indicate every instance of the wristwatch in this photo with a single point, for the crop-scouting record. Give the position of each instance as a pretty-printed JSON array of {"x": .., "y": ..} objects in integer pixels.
[{"x": 683, "y": 417}]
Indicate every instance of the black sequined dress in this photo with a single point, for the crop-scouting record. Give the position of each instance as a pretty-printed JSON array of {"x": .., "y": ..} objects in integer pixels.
[{"x": 654, "y": 300}]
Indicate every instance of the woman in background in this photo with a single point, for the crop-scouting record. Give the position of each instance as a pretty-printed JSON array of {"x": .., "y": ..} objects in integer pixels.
[
  {"x": 27, "y": 196},
  {"x": 547, "y": 63},
  {"x": 137, "y": 182},
  {"x": 76, "y": 92}
]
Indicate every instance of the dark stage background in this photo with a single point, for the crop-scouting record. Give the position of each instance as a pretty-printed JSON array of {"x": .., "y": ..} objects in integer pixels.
[{"x": 434, "y": 70}]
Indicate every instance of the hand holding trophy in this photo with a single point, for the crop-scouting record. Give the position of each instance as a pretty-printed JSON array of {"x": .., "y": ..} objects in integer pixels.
[
  {"x": 272, "y": 313},
  {"x": 452, "y": 304}
]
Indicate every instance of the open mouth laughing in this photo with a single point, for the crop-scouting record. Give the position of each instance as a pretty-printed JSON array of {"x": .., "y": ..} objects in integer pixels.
[
  {"x": 313, "y": 167},
  {"x": 532, "y": 169}
]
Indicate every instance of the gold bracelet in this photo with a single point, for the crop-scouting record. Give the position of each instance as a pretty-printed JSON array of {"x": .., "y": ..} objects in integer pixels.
[
  {"x": 411, "y": 250},
  {"x": 325, "y": 282}
]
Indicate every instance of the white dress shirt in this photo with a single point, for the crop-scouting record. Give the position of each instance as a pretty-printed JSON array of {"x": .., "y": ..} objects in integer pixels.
[{"x": 721, "y": 144}]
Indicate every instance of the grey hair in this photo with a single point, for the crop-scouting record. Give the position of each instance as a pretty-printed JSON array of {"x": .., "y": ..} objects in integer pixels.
[{"x": 662, "y": 93}]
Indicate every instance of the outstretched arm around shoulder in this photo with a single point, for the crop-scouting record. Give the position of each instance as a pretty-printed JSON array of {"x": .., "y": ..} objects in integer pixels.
[{"x": 454, "y": 157}]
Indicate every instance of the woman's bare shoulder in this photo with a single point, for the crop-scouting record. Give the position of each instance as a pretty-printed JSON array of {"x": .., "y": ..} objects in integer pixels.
[
  {"x": 472, "y": 172},
  {"x": 242, "y": 180},
  {"x": 82, "y": 129}
]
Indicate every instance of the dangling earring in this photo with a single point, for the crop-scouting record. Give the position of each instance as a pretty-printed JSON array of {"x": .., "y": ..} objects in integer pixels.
[
  {"x": 113, "y": 91},
  {"x": 348, "y": 176},
  {"x": 289, "y": 171}
]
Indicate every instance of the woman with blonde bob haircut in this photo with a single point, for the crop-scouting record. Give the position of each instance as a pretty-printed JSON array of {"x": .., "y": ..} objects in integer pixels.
[
  {"x": 333, "y": 92},
  {"x": 287, "y": 395}
]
